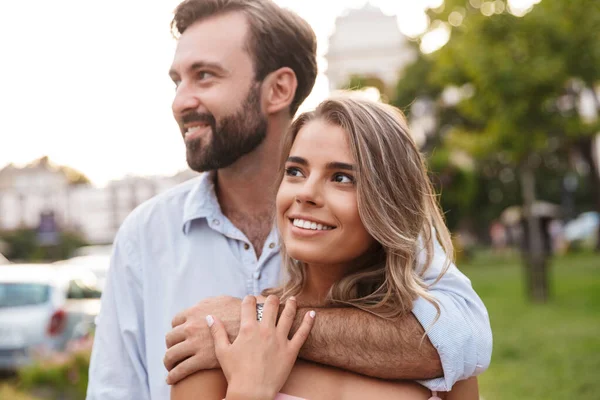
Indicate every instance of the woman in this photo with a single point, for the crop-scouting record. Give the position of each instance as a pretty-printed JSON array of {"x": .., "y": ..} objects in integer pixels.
[{"x": 357, "y": 215}]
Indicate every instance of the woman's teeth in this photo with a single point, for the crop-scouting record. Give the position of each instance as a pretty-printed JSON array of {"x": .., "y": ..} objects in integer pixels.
[{"x": 301, "y": 223}]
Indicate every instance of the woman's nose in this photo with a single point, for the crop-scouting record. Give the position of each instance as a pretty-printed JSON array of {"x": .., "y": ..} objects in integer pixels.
[{"x": 310, "y": 194}]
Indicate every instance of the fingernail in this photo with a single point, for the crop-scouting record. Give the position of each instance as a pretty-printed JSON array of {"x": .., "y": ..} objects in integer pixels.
[
  {"x": 312, "y": 314},
  {"x": 210, "y": 320},
  {"x": 292, "y": 298}
]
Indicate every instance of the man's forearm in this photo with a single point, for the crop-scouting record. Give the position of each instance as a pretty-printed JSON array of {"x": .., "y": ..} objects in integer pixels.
[{"x": 360, "y": 342}]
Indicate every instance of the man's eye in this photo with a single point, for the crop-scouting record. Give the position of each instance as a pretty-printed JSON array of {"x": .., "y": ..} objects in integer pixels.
[
  {"x": 293, "y": 171},
  {"x": 204, "y": 75},
  {"x": 343, "y": 178}
]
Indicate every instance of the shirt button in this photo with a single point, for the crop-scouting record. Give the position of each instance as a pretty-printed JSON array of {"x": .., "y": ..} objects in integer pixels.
[
  {"x": 216, "y": 221},
  {"x": 246, "y": 246},
  {"x": 272, "y": 245},
  {"x": 257, "y": 274}
]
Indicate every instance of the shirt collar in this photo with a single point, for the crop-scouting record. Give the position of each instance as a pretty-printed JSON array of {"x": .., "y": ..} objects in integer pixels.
[{"x": 201, "y": 201}]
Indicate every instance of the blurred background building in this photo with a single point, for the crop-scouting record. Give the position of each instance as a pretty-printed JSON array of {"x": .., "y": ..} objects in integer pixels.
[
  {"x": 69, "y": 202},
  {"x": 367, "y": 43}
]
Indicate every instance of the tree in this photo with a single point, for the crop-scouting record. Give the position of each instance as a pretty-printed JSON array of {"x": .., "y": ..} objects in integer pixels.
[
  {"x": 74, "y": 177},
  {"x": 518, "y": 70},
  {"x": 418, "y": 95}
]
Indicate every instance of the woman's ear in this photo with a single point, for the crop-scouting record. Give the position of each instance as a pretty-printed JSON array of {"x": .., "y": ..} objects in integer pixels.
[{"x": 279, "y": 90}]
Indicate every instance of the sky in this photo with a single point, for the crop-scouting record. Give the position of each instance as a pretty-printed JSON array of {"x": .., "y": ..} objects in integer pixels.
[{"x": 86, "y": 83}]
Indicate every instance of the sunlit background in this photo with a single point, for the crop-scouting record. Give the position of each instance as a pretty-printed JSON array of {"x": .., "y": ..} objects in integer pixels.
[{"x": 86, "y": 84}]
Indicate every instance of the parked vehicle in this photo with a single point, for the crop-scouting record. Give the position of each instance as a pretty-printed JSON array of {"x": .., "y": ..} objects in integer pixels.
[
  {"x": 584, "y": 227},
  {"x": 43, "y": 308},
  {"x": 94, "y": 250},
  {"x": 97, "y": 263}
]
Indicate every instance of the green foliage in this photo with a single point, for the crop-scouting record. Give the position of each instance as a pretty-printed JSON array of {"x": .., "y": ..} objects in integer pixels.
[
  {"x": 520, "y": 79},
  {"x": 456, "y": 184},
  {"x": 62, "y": 376},
  {"x": 358, "y": 82},
  {"x": 75, "y": 177},
  {"x": 9, "y": 392},
  {"x": 22, "y": 245},
  {"x": 520, "y": 70},
  {"x": 541, "y": 351},
  {"x": 416, "y": 82}
]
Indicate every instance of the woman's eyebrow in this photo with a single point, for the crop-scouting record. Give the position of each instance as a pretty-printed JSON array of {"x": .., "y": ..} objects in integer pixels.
[
  {"x": 340, "y": 165},
  {"x": 297, "y": 160},
  {"x": 330, "y": 165}
]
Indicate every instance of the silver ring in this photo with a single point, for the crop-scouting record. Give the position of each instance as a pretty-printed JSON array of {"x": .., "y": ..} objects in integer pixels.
[{"x": 259, "y": 311}]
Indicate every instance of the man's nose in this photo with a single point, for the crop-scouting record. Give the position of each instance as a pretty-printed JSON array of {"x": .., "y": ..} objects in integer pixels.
[{"x": 185, "y": 100}]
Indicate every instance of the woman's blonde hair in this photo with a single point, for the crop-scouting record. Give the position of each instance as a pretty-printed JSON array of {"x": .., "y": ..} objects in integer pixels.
[{"x": 396, "y": 203}]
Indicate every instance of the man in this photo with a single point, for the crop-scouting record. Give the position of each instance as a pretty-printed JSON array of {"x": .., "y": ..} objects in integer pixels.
[{"x": 242, "y": 68}]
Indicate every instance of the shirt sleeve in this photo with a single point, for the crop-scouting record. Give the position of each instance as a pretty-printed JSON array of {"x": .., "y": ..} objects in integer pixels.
[
  {"x": 118, "y": 364},
  {"x": 462, "y": 333}
]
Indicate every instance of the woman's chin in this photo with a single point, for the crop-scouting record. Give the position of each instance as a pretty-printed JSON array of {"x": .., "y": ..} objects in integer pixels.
[{"x": 308, "y": 255}]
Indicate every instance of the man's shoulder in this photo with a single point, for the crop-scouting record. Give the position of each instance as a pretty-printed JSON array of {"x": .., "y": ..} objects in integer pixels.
[{"x": 168, "y": 204}]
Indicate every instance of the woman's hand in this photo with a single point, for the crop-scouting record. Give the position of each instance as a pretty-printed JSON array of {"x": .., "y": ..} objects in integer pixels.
[{"x": 261, "y": 358}]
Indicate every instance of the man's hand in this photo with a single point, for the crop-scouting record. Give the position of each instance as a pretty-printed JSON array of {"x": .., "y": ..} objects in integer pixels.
[{"x": 190, "y": 345}]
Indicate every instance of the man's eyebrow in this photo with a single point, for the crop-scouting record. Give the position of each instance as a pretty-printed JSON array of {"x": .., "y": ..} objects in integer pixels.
[
  {"x": 209, "y": 65},
  {"x": 331, "y": 165},
  {"x": 218, "y": 68}
]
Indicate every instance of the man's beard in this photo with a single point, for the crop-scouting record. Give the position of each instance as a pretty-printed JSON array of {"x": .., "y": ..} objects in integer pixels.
[{"x": 235, "y": 136}]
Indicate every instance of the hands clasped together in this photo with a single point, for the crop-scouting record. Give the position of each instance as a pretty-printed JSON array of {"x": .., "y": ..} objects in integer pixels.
[{"x": 261, "y": 357}]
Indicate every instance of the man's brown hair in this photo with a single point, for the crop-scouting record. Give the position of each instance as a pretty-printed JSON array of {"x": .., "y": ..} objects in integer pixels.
[{"x": 277, "y": 38}]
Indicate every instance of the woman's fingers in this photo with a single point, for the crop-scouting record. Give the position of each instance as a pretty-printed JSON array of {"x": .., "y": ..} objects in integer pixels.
[
  {"x": 270, "y": 310},
  {"x": 248, "y": 315},
  {"x": 219, "y": 334},
  {"x": 302, "y": 333},
  {"x": 286, "y": 320}
]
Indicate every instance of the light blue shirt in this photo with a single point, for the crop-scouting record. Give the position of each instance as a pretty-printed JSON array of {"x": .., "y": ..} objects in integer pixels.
[{"x": 178, "y": 248}]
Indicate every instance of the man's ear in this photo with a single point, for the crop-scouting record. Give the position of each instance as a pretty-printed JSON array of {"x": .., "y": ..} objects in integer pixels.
[{"x": 279, "y": 90}]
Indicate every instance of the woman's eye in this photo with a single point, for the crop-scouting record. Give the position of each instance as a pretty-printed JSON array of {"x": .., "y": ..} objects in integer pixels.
[
  {"x": 343, "y": 178},
  {"x": 293, "y": 171}
]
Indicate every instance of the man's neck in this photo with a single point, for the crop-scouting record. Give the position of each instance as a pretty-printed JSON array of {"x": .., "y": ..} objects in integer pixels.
[
  {"x": 248, "y": 186},
  {"x": 246, "y": 190}
]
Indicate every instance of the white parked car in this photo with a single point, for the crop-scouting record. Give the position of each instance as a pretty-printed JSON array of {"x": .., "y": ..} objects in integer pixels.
[
  {"x": 43, "y": 307},
  {"x": 585, "y": 226},
  {"x": 94, "y": 250},
  {"x": 97, "y": 263}
]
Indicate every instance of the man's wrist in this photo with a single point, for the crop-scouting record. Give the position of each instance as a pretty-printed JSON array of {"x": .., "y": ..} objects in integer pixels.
[{"x": 241, "y": 391}]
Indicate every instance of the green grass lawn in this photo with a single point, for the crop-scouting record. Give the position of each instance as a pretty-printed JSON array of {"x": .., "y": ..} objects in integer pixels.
[{"x": 541, "y": 351}]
